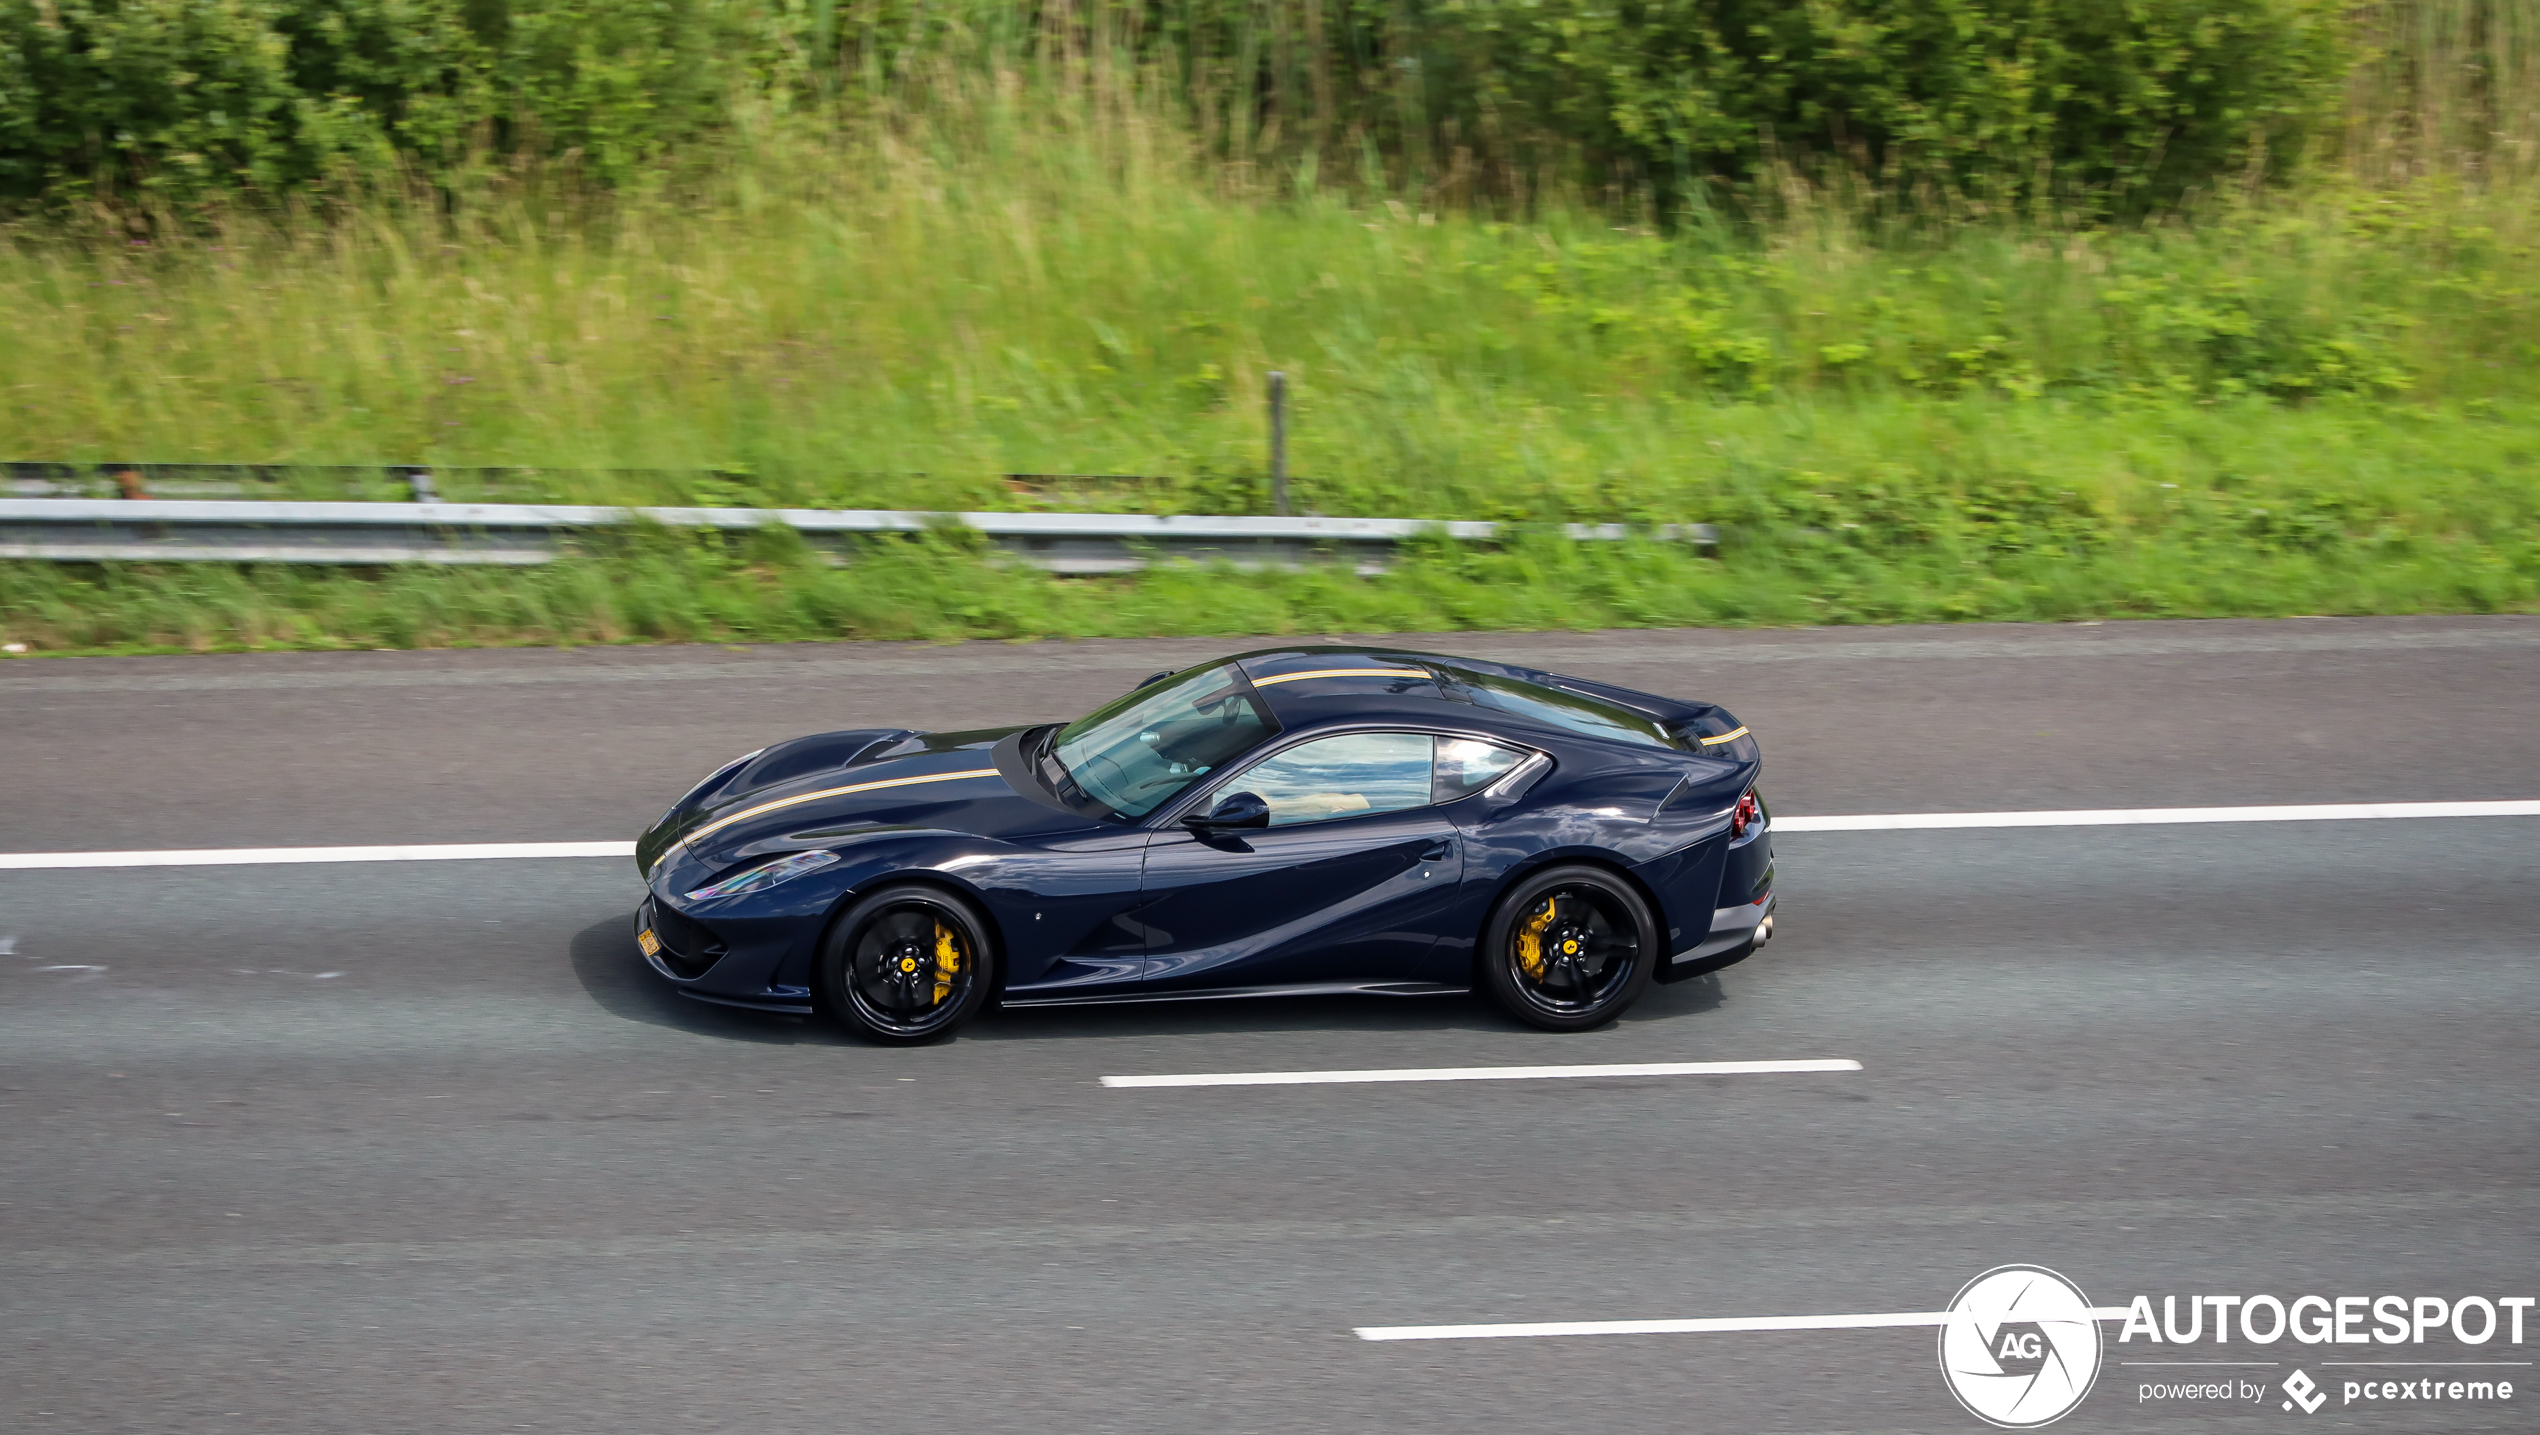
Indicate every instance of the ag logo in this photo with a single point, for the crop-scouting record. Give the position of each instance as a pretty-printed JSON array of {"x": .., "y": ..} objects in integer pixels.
[{"x": 2021, "y": 1347}]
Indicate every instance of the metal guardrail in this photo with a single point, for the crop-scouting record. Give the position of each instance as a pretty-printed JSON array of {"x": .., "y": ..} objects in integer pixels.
[{"x": 90, "y": 530}]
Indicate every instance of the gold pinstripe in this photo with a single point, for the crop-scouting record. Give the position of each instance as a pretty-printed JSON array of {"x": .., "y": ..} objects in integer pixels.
[
  {"x": 722, "y": 822},
  {"x": 1724, "y": 737},
  {"x": 1342, "y": 673}
]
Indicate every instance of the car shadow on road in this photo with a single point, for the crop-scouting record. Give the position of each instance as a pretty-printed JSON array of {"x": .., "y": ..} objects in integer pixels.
[
  {"x": 606, "y": 963},
  {"x": 1309, "y": 1013},
  {"x": 613, "y": 972}
]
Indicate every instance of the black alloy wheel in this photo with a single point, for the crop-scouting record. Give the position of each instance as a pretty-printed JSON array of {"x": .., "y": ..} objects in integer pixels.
[
  {"x": 905, "y": 965},
  {"x": 1569, "y": 949}
]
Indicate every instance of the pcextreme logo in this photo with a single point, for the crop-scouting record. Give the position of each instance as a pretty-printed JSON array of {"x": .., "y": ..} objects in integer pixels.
[{"x": 2305, "y": 1392}]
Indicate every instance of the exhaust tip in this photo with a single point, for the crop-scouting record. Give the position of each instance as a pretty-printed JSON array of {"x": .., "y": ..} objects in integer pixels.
[{"x": 1763, "y": 931}]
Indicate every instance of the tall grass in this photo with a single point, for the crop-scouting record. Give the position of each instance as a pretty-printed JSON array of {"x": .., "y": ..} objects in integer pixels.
[
  {"x": 1040, "y": 284},
  {"x": 2317, "y": 400}
]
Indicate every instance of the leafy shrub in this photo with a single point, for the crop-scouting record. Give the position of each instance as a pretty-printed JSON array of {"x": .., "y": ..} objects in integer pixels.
[
  {"x": 2130, "y": 101},
  {"x": 183, "y": 99},
  {"x": 2127, "y": 102}
]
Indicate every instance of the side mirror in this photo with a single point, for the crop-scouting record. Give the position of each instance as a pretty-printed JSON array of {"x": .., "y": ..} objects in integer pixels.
[{"x": 1236, "y": 809}]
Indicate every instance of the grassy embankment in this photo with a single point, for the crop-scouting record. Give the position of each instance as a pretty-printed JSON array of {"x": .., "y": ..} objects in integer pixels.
[{"x": 2326, "y": 402}]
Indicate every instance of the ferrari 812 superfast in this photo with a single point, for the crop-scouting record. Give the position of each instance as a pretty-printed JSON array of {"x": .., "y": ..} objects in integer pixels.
[{"x": 1296, "y": 820}]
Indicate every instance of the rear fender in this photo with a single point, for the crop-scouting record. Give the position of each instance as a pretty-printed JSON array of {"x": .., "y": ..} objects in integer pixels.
[{"x": 1464, "y": 956}]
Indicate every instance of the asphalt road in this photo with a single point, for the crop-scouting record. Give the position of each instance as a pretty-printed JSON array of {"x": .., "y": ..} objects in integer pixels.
[{"x": 420, "y": 1148}]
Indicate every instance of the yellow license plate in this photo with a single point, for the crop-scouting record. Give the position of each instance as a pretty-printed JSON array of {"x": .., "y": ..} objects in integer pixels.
[{"x": 650, "y": 943}]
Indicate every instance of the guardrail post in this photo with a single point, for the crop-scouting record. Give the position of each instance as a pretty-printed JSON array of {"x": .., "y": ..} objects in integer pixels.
[{"x": 1278, "y": 443}]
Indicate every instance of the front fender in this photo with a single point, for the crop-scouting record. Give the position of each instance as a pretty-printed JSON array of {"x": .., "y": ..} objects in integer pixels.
[{"x": 771, "y": 936}]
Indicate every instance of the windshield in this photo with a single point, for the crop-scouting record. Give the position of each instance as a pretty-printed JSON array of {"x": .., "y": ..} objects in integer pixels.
[{"x": 1135, "y": 752}]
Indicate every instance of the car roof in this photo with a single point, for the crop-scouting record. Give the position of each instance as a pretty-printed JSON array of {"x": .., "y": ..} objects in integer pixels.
[
  {"x": 1304, "y": 686},
  {"x": 1297, "y": 681}
]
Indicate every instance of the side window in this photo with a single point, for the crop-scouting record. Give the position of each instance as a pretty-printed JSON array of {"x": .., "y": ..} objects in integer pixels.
[
  {"x": 1467, "y": 765},
  {"x": 1341, "y": 776}
]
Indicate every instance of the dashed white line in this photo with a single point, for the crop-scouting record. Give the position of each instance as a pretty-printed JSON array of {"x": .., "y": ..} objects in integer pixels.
[
  {"x": 1875, "y": 822},
  {"x": 253, "y": 856},
  {"x": 2158, "y": 816},
  {"x": 1702, "y": 1325},
  {"x": 1487, "y": 1073}
]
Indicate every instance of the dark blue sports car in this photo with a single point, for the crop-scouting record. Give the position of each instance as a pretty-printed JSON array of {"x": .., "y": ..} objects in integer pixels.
[{"x": 1293, "y": 820}]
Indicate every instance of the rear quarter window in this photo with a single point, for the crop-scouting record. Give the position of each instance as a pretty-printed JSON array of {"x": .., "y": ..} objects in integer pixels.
[
  {"x": 1575, "y": 712},
  {"x": 1717, "y": 734}
]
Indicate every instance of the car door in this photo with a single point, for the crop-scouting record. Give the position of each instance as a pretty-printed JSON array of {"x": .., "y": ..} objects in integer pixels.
[
  {"x": 1068, "y": 908},
  {"x": 1344, "y": 887}
]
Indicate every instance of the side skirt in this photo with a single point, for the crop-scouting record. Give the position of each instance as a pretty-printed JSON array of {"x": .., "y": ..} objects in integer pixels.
[
  {"x": 1315, "y": 989},
  {"x": 779, "y": 1007}
]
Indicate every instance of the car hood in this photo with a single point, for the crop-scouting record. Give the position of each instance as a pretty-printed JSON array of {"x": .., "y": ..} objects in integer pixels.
[{"x": 836, "y": 787}]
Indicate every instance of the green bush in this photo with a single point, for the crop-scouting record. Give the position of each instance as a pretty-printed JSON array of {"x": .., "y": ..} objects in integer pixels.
[
  {"x": 2122, "y": 101},
  {"x": 616, "y": 81},
  {"x": 181, "y": 100}
]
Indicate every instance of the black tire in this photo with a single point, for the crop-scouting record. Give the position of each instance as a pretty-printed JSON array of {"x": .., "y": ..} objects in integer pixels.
[
  {"x": 905, "y": 965},
  {"x": 1593, "y": 947}
]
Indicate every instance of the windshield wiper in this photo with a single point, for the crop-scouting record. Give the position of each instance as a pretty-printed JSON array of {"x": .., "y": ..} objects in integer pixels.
[{"x": 1063, "y": 783}]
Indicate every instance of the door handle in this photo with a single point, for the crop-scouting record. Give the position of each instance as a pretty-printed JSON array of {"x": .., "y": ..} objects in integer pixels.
[{"x": 1439, "y": 850}]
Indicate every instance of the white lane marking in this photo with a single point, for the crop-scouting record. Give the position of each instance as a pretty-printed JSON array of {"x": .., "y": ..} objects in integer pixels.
[
  {"x": 249, "y": 856},
  {"x": 1887, "y": 822},
  {"x": 1487, "y": 1073},
  {"x": 2157, "y": 816},
  {"x": 1699, "y": 1326}
]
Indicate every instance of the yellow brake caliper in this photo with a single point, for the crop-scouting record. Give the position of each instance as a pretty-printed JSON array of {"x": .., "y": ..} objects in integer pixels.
[
  {"x": 1530, "y": 941},
  {"x": 947, "y": 960}
]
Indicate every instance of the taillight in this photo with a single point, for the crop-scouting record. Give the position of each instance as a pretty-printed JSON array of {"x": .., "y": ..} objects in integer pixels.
[{"x": 1748, "y": 813}]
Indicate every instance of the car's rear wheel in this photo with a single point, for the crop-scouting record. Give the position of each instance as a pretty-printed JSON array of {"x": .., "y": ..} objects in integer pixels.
[
  {"x": 1569, "y": 948},
  {"x": 905, "y": 965}
]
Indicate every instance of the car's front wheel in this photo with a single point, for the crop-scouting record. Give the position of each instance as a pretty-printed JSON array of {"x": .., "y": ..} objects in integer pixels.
[
  {"x": 1569, "y": 948},
  {"x": 905, "y": 965}
]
